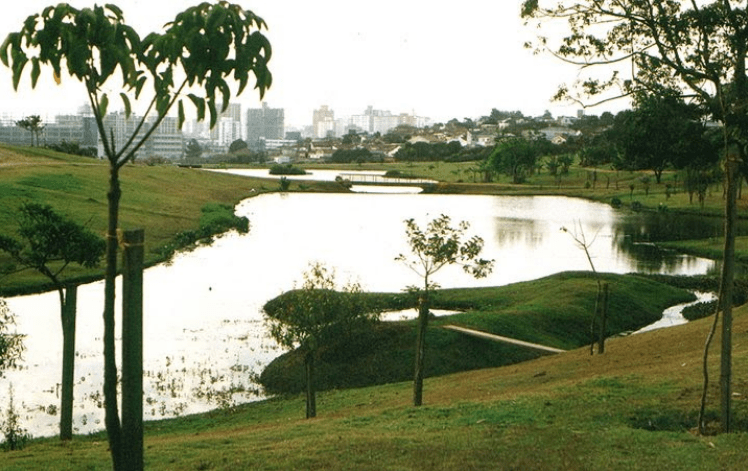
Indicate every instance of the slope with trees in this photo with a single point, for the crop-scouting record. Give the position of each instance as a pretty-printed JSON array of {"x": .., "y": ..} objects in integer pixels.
[
  {"x": 695, "y": 50},
  {"x": 190, "y": 61}
]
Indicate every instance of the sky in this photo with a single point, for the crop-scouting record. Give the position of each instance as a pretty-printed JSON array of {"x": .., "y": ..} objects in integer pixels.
[{"x": 433, "y": 58}]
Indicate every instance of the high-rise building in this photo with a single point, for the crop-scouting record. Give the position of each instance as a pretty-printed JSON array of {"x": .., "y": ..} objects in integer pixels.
[
  {"x": 264, "y": 123},
  {"x": 228, "y": 126},
  {"x": 165, "y": 142},
  {"x": 323, "y": 121}
]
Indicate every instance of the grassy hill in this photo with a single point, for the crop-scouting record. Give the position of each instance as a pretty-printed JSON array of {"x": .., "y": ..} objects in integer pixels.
[
  {"x": 163, "y": 200},
  {"x": 632, "y": 408},
  {"x": 553, "y": 311}
]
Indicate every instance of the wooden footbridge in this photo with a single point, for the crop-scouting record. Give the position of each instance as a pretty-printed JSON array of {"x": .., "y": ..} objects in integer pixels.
[
  {"x": 499, "y": 338},
  {"x": 374, "y": 179}
]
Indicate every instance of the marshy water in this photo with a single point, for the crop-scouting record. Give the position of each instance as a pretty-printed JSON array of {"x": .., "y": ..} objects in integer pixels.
[{"x": 204, "y": 331}]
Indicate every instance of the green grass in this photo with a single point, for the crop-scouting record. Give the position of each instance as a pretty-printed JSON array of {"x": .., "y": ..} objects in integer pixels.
[
  {"x": 553, "y": 311},
  {"x": 630, "y": 409},
  {"x": 163, "y": 200}
]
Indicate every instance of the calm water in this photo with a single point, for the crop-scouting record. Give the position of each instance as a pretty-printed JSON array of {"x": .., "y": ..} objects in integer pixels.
[{"x": 203, "y": 323}]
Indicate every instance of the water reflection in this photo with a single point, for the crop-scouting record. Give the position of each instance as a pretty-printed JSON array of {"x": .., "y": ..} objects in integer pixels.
[{"x": 204, "y": 327}]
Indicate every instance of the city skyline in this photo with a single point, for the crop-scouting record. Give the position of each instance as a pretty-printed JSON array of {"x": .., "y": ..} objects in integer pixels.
[{"x": 415, "y": 57}]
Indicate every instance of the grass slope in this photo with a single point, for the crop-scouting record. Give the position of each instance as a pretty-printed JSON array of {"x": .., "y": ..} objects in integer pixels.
[
  {"x": 553, "y": 311},
  {"x": 630, "y": 409},
  {"x": 163, "y": 200}
]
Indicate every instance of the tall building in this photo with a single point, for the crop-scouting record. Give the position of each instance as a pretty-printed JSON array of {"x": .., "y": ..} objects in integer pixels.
[
  {"x": 323, "y": 121},
  {"x": 264, "y": 123},
  {"x": 228, "y": 128},
  {"x": 166, "y": 141}
]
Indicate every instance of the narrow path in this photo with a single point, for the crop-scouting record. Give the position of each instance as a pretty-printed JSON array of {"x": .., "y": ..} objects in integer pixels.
[{"x": 498, "y": 338}]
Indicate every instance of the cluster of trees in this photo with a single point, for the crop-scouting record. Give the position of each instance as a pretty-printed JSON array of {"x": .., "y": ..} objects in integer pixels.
[
  {"x": 357, "y": 155},
  {"x": 315, "y": 315},
  {"x": 654, "y": 51}
]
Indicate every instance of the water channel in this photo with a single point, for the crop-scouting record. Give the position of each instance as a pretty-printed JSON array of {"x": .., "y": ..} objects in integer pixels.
[{"x": 204, "y": 332}]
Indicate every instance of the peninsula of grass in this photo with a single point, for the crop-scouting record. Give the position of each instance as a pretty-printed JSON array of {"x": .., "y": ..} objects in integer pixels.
[
  {"x": 553, "y": 311},
  {"x": 633, "y": 408}
]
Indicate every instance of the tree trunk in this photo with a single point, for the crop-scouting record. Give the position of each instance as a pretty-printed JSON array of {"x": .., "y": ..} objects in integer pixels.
[
  {"x": 132, "y": 349},
  {"x": 603, "y": 320},
  {"x": 728, "y": 268},
  {"x": 311, "y": 399},
  {"x": 423, "y": 319},
  {"x": 111, "y": 410},
  {"x": 68, "y": 314}
]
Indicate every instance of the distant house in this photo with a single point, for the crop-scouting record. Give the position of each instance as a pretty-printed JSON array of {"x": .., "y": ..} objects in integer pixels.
[{"x": 553, "y": 132}]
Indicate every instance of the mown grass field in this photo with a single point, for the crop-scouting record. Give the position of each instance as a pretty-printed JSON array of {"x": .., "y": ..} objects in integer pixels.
[{"x": 632, "y": 408}]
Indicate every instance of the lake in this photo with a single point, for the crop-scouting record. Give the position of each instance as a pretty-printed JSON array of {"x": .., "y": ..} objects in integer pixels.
[{"x": 204, "y": 331}]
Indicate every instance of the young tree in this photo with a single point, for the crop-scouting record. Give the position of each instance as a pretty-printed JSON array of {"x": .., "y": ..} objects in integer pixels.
[
  {"x": 32, "y": 124},
  {"x": 695, "y": 49},
  {"x": 49, "y": 243},
  {"x": 433, "y": 249},
  {"x": 191, "y": 60},
  {"x": 314, "y": 315}
]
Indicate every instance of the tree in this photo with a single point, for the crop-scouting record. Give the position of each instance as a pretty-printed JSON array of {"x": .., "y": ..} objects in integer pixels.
[
  {"x": 189, "y": 61},
  {"x": 49, "y": 243},
  {"x": 314, "y": 315},
  {"x": 237, "y": 146},
  {"x": 193, "y": 150},
  {"x": 660, "y": 132},
  {"x": 517, "y": 156},
  {"x": 696, "y": 50},
  {"x": 11, "y": 343},
  {"x": 438, "y": 246},
  {"x": 34, "y": 125}
]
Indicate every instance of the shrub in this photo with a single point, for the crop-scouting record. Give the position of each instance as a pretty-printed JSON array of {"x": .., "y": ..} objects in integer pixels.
[
  {"x": 15, "y": 436},
  {"x": 615, "y": 202},
  {"x": 636, "y": 206},
  {"x": 287, "y": 169}
]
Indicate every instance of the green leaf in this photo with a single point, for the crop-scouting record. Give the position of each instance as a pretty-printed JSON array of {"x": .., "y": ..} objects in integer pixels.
[
  {"x": 103, "y": 104},
  {"x": 181, "y": 114},
  {"x": 199, "y": 105},
  {"x": 35, "y": 71},
  {"x": 213, "y": 113},
  {"x": 126, "y": 103},
  {"x": 19, "y": 63}
]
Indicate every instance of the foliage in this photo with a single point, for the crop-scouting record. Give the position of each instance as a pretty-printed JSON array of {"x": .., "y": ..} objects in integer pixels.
[
  {"x": 34, "y": 125},
  {"x": 517, "y": 156},
  {"x": 205, "y": 45},
  {"x": 661, "y": 132},
  {"x": 425, "y": 151},
  {"x": 237, "y": 145},
  {"x": 315, "y": 314},
  {"x": 11, "y": 343},
  {"x": 193, "y": 150},
  {"x": 357, "y": 155},
  {"x": 50, "y": 242},
  {"x": 15, "y": 436},
  {"x": 438, "y": 246},
  {"x": 73, "y": 148},
  {"x": 285, "y": 184},
  {"x": 286, "y": 169},
  {"x": 215, "y": 219}
]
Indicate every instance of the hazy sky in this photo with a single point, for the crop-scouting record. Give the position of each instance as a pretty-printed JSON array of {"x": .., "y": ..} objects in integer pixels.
[{"x": 439, "y": 59}]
